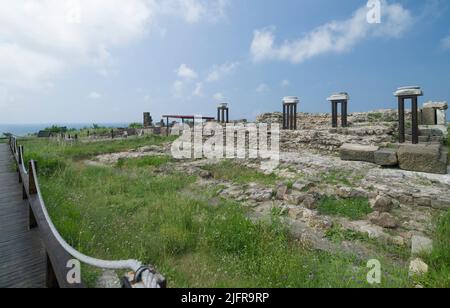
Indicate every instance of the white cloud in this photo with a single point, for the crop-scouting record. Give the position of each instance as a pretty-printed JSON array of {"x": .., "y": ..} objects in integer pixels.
[
  {"x": 186, "y": 72},
  {"x": 198, "y": 91},
  {"x": 219, "y": 71},
  {"x": 262, "y": 88},
  {"x": 178, "y": 88},
  {"x": 335, "y": 36},
  {"x": 219, "y": 97},
  {"x": 285, "y": 83},
  {"x": 94, "y": 95},
  {"x": 193, "y": 11},
  {"x": 446, "y": 42},
  {"x": 41, "y": 39}
]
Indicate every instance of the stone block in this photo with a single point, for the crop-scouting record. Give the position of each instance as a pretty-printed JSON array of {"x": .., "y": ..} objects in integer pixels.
[
  {"x": 422, "y": 158},
  {"x": 420, "y": 245},
  {"x": 436, "y": 105},
  {"x": 441, "y": 116},
  {"x": 429, "y": 116},
  {"x": 357, "y": 152},
  {"x": 386, "y": 157}
]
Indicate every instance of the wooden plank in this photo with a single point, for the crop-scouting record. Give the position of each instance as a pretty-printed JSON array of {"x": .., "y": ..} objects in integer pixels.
[{"x": 22, "y": 253}]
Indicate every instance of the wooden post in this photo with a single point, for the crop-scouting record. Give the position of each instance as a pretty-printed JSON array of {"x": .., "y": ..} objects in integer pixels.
[
  {"x": 32, "y": 165},
  {"x": 344, "y": 114},
  {"x": 295, "y": 116},
  {"x": 19, "y": 163},
  {"x": 32, "y": 190},
  {"x": 167, "y": 126},
  {"x": 415, "y": 121},
  {"x": 50, "y": 277},
  {"x": 334, "y": 114},
  {"x": 401, "y": 120}
]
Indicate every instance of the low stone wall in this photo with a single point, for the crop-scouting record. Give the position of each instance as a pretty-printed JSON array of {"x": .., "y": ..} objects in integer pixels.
[
  {"x": 323, "y": 120},
  {"x": 377, "y": 128}
]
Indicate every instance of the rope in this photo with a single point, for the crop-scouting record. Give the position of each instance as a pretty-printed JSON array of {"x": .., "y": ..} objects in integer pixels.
[{"x": 113, "y": 265}]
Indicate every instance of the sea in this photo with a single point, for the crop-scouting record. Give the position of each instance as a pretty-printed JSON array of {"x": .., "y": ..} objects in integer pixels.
[{"x": 22, "y": 130}]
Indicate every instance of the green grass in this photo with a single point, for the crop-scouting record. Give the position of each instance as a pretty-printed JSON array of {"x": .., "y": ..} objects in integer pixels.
[
  {"x": 146, "y": 161},
  {"x": 439, "y": 259},
  {"x": 129, "y": 211},
  {"x": 375, "y": 117},
  {"x": 354, "y": 208},
  {"x": 230, "y": 171},
  {"x": 335, "y": 177},
  {"x": 337, "y": 234},
  {"x": 110, "y": 214}
]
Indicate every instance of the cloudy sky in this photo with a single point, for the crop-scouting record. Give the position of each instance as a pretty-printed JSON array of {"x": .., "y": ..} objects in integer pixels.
[{"x": 83, "y": 61}]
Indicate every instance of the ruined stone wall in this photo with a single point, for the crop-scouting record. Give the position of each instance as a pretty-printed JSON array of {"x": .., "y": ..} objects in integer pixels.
[
  {"x": 323, "y": 120},
  {"x": 315, "y": 131}
]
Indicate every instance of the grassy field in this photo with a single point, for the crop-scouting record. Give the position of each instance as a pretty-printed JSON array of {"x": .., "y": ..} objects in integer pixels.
[{"x": 128, "y": 210}]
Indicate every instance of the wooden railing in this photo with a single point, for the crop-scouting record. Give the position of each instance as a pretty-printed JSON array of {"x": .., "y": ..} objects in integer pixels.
[{"x": 60, "y": 255}]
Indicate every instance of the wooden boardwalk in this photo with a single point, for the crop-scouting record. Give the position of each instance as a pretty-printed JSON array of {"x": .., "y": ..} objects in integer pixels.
[{"x": 22, "y": 256}]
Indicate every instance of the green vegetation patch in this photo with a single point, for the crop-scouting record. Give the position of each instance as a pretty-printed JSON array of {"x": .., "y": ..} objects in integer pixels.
[
  {"x": 439, "y": 259},
  {"x": 50, "y": 149},
  {"x": 231, "y": 171},
  {"x": 335, "y": 177},
  {"x": 354, "y": 208},
  {"x": 125, "y": 212},
  {"x": 337, "y": 234},
  {"x": 146, "y": 161}
]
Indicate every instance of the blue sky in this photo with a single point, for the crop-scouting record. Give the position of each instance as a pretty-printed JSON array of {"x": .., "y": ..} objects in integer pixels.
[{"x": 110, "y": 60}]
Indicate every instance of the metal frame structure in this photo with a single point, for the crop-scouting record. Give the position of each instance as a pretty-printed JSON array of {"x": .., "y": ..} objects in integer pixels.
[
  {"x": 223, "y": 113},
  {"x": 403, "y": 94},
  {"x": 290, "y": 104},
  {"x": 336, "y": 99}
]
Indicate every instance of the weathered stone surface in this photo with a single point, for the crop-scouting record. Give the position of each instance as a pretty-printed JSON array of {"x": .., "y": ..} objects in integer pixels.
[
  {"x": 421, "y": 244},
  {"x": 441, "y": 117},
  {"x": 384, "y": 220},
  {"x": 417, "y": 268},
  {"x": 108, "y": 280},
  {"x": 409, "y": 91},
  {"x": 310, "y": 202},
  {"x": 436, "y": 105},
  {"x": 339, "y": 97},
  {"x": 356, "y": 152},
  {"x": 386, "y": 157},
  {"x": 422, "y": 158},
  {"x": 429, "y": 116},
  {"x": 383, "y": 204},
  {"x": 260, "y": 195},
  {"x": 282, "y": 191},
  {"x": 296, "y": 198}
]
